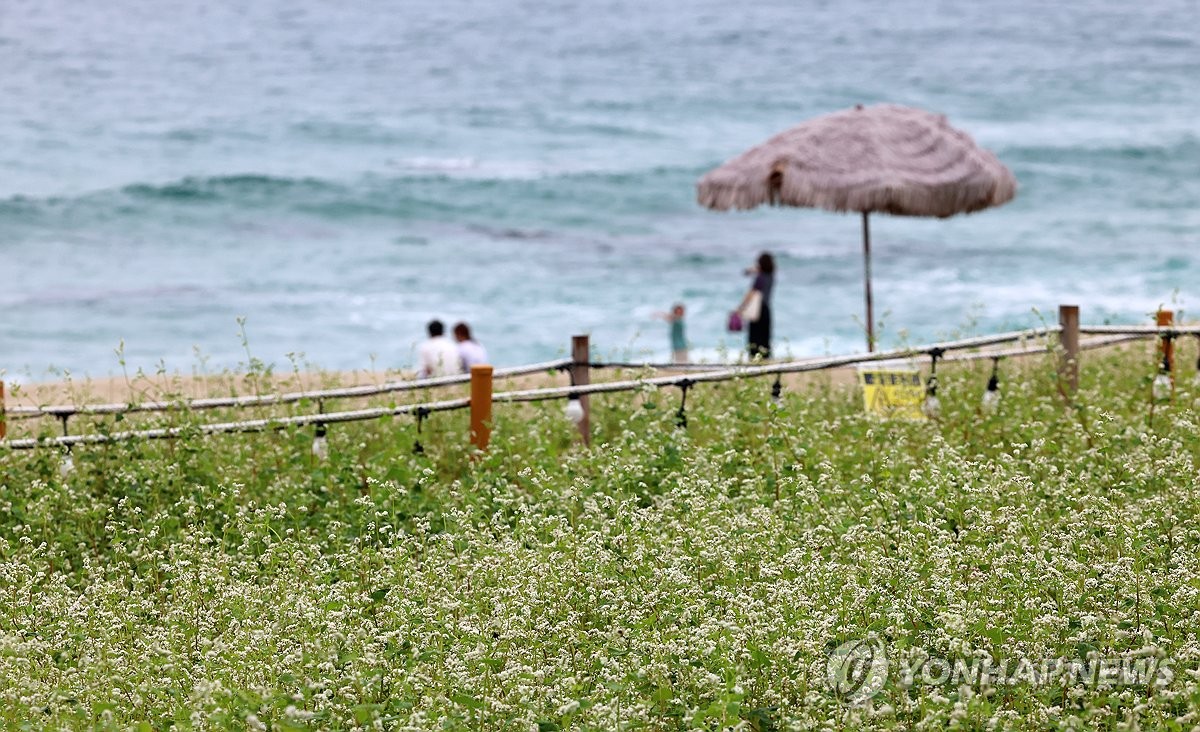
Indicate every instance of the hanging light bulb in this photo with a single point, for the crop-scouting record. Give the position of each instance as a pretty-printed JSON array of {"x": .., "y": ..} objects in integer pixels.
[
  {"x": 991, "y": 396},
  {"x": 67, "y": 466},
  {"x": 932, "y": 406},
  {"x": 681, "y": 415},
  {"x": 991, "y": 400},
  {"x": 1161, "y": 388},
  {"x": 574, "y": 410},
  {"x": 320, "y": 447},
  {"x": 422, "y": 413}
]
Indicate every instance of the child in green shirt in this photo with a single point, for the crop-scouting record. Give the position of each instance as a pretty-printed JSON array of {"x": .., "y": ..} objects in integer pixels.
[{"x": 679, "y": 347}]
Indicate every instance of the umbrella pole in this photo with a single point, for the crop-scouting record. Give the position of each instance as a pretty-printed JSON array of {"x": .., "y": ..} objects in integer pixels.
[{"x": 867, "y": 279}]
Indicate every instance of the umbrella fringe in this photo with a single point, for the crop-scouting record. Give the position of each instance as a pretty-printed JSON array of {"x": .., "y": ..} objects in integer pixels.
[{"x": 886, "y": 159}]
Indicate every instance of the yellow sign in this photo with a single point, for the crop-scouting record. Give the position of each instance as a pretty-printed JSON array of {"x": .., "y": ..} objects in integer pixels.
[{"x": 893, "y": 390}]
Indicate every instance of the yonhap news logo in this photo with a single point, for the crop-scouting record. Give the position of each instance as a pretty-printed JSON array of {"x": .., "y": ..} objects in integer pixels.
[{"x": 858, "y": 669}]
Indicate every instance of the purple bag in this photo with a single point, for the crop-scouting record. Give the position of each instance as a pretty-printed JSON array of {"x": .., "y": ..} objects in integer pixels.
[{"x": 735, "y": 322}]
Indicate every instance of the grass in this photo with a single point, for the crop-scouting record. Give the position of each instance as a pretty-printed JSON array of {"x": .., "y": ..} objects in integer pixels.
[{"x": 664, "y": 579}]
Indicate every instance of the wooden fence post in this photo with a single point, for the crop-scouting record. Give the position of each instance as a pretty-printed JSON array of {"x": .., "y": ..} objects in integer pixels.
[
  {"x": 1068, "y": 338},
  {"x": 1166, "y": 347},
  {"x": 481, "y": 405},
  {"x": 581, "y": 375}
]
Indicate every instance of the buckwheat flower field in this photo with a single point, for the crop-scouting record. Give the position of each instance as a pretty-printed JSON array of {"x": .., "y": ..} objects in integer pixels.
[{"x": 770, "y": 567}]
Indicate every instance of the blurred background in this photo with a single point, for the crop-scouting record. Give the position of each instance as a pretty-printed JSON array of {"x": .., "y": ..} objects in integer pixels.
[{"x": 340, "y": 173}]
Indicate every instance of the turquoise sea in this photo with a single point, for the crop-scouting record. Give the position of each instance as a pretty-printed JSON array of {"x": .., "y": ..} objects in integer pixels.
[{"x": 340, "y": 173}]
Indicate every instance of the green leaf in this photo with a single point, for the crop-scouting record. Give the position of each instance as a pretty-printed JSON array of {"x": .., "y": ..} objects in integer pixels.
[
  {"x": 364, "y": 713},
  {"x": 758, "y": 659},
  {"x": 663, "y": 694},
  {"x": 379, "y": 594},
  {"x": 467, "y": 701}
]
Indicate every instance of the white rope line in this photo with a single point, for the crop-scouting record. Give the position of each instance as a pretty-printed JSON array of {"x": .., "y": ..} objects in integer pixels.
[
  {"x": 534, "y": 395},
  {"x": 68, "y": 410},
  {"x": 632, "y": 366},
  {"x": 1083, "y": 346},
  {"x": 817, "y": 364},
  {"x": 250, "y": 425},
  {"x": 1158, "y": 330}
]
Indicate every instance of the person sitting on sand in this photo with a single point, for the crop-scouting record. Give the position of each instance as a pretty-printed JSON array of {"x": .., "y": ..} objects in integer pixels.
[
  {"x": 437, "y": 356},
  {"x": 470, "y": 352},
  {"x": 679, "y": 348}
]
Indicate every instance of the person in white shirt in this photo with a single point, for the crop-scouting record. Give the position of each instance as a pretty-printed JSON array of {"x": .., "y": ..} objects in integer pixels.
[
  {"x": 438, "y": 356},
  {"x": 469, "y": 349}
]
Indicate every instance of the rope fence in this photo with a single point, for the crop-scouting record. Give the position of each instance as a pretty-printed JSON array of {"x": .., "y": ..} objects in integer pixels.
[
  {"x": 349, "y": 392},
  {"x": 250, "y": 425},
  {"x": 1164, "y": 331},
  {"x": 700, "y": 373},
  {"x": 1089, "y": 345},
  {"x": 1032, "y": 341},
  {"x": 634, "y": 366},
  {"x": 788, "y": 367}
]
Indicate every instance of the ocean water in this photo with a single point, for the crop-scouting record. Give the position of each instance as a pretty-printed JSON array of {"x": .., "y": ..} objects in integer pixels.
[{"x": 339, "y": 173}]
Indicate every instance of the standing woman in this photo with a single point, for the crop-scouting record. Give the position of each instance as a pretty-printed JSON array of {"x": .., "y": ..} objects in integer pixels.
[{"x": 759, "y": 332}]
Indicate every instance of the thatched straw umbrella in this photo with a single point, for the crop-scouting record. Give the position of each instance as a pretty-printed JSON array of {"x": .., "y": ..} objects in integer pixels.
[{"x": 886, "y": 158}]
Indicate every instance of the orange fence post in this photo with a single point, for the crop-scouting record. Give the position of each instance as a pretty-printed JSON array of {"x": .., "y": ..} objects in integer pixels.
[
  {"x": 1166, "y": 347},
  {"x": 581, "y": 375},
  {"x": 481, "y": 405},
  {"x": 1068, "y": 338}
]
